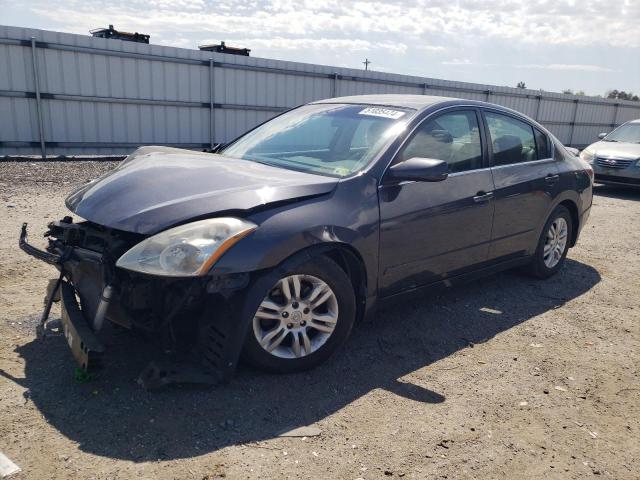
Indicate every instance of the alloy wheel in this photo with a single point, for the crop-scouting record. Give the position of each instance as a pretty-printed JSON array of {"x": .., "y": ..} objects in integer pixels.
[
  {"x": 555, "y": 242},
  {"x": 297, "y": 316}
]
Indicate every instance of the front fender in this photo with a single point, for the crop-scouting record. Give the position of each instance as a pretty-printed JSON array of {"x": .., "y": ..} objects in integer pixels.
[{"x": 348, "y": 218}]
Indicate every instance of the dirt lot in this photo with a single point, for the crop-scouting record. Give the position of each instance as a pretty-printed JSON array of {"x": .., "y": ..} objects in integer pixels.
[{"x": 503, "y": 378}]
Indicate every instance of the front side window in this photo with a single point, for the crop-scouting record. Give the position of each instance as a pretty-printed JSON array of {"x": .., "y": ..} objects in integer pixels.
[
  {"x": 328, "y": 139},
  {"x": 453, "y": 137},
  {"x": 512, "y": 140}
]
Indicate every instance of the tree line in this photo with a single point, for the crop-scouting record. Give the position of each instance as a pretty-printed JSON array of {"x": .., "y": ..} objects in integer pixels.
[{"x": 617, "y": 94}]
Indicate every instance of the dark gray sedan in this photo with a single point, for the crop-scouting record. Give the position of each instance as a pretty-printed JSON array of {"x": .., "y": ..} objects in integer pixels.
[{"x": 277, "y": 243}]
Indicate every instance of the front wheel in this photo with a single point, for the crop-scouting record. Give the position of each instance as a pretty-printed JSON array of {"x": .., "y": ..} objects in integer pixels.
[
  {"x": 303, "y": 318},
  {"x": 553, "y": 244}
]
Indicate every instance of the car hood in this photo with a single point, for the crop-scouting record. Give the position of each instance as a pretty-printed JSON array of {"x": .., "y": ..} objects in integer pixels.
[
  {"x": 616, "y": 149},
  {"x": 158, "y": 187}
]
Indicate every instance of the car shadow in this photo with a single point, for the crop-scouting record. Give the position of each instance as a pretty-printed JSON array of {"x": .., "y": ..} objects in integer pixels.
[
  {"x": 113, "y": 417},
  {"x": 620, "y": 192}
]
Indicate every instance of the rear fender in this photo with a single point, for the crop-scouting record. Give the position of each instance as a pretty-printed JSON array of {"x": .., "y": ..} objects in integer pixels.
[{"x": 567, "y": 196}]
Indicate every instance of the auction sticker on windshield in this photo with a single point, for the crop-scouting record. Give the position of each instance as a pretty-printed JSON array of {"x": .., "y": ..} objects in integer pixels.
[{"x": 382, "y": 112}]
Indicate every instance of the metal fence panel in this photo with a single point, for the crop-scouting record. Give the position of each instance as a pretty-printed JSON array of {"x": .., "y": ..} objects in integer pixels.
[
  {"x": 528, "y": 106},
  {"x": 103, "y": 96},
  {"x": 553, "y": 112},
  {"x": 591, "y": 113},
  {"x": 562, "y": 132},
  {"x": 626, "y": 113}
]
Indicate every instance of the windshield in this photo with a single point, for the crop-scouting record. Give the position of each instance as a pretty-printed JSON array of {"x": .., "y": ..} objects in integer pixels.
[
  {"x": 629, "y": 133},
  {"x": 328, "y": 139}
]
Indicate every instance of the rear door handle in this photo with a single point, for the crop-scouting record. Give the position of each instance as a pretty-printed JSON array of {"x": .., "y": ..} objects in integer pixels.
[
  {"x": 551, "y": 179},
  {"x": 482, "y": 197}
]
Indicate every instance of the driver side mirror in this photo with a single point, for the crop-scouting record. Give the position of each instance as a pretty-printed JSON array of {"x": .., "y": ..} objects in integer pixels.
[
  {"x": 602, "y": 135},
  {"x": 420, "y": 170}
]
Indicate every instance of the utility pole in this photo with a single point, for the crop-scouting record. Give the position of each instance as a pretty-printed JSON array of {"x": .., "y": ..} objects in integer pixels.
[{"x": 366, "y": 63}]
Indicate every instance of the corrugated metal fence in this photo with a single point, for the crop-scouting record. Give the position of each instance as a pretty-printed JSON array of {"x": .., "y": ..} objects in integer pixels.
[{"x": 71, "y": 94}]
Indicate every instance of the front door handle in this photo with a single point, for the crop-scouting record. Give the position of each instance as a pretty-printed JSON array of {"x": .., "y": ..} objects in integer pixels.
[
  {"x": 552, "y": 179},
  {"x": 482, "y": 197}
]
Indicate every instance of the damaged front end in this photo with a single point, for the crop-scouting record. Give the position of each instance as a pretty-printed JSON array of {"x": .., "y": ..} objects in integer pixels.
[{"x": 195, "y": 315}]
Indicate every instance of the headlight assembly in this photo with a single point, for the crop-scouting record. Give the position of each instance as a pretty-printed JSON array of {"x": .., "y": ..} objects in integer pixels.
[
  {"x": 587, "y": 155},
  {"x": 188, "y": 250}
]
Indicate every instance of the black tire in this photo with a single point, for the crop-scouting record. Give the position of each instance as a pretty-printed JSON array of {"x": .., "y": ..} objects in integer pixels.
[
  {"x": 537, "y": 268},
  {"x": 335, "y": 277}
]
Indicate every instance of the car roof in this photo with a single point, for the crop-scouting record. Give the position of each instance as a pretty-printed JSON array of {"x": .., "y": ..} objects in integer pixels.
[
  {"x": 392, "y": 100},
  {"x": 422, "y": 102}
]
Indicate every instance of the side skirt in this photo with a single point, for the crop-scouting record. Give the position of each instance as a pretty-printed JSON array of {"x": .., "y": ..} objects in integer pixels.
[{"x": 450, "y": 282}]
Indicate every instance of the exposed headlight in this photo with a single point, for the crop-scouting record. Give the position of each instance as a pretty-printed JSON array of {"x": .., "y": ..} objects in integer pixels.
[
  {"x": 638, "y": 163},
  {"x": 587, "y": 155},
  {"x": 188, "y": 250}
]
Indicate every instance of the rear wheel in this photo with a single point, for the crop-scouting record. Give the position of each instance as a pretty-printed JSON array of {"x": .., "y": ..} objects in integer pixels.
[
  {"x": 553, "y": 244},
  {"x": 303, "y": 318}
]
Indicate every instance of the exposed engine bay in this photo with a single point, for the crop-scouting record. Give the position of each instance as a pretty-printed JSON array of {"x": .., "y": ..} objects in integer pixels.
[{"x": 177, "y": 313}]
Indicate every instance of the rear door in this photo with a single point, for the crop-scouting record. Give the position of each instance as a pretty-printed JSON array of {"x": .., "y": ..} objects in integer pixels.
[
  {"x": 432, "y": 230},
  {"x": 526, "y": 179}
]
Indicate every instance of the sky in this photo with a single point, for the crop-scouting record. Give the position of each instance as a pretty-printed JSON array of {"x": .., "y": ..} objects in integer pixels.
[{"x": 588, "y": 45}]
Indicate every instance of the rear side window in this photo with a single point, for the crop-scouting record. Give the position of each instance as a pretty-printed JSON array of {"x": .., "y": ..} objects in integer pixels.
[
  {"x": 453, "y": 137},
  {"x": 542, "y": 144},
  {"x": 512, "y": 140}
]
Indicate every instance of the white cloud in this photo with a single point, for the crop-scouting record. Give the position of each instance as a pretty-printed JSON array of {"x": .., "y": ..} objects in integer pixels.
[
  {"x": 304, "y": 44},
  {"x": 580, "y": 42},
  {"x": 431, "y": 48},
  {"x": 525, "y": 22},
  {"x": 568, "y": 67},
  {"x": 458, "y": 62},
  {"x": 549, "y": 66}
]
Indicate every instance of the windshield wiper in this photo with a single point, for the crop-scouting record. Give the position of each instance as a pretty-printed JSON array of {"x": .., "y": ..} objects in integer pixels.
[{"x": 257, "y": 160}]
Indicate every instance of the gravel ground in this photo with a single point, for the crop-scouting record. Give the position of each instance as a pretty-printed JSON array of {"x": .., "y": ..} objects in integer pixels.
[{"x": 503, "y": 378}]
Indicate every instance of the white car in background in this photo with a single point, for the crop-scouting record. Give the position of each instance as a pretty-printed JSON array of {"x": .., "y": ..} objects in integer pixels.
[{"x": 616, "y": 157}]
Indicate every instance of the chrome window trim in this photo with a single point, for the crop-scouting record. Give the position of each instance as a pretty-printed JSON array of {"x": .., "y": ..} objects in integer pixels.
[
  {"x": 533, "y": 128},
  {"x": 480, "y": 109},
  {"x": 488, "y": 169},
  {"x": 429, "y": 117},
  {"x": 530, "y": 162},
  {"x": 476, "y": 170}
]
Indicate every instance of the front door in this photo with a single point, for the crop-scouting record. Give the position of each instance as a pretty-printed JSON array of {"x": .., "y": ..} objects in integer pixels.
[{"x": 432, "y": 230}]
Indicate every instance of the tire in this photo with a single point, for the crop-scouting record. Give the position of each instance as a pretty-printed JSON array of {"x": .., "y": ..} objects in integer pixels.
[
  {"x": 541, "y": 266},
  {"x": 285, "y": 320}
]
